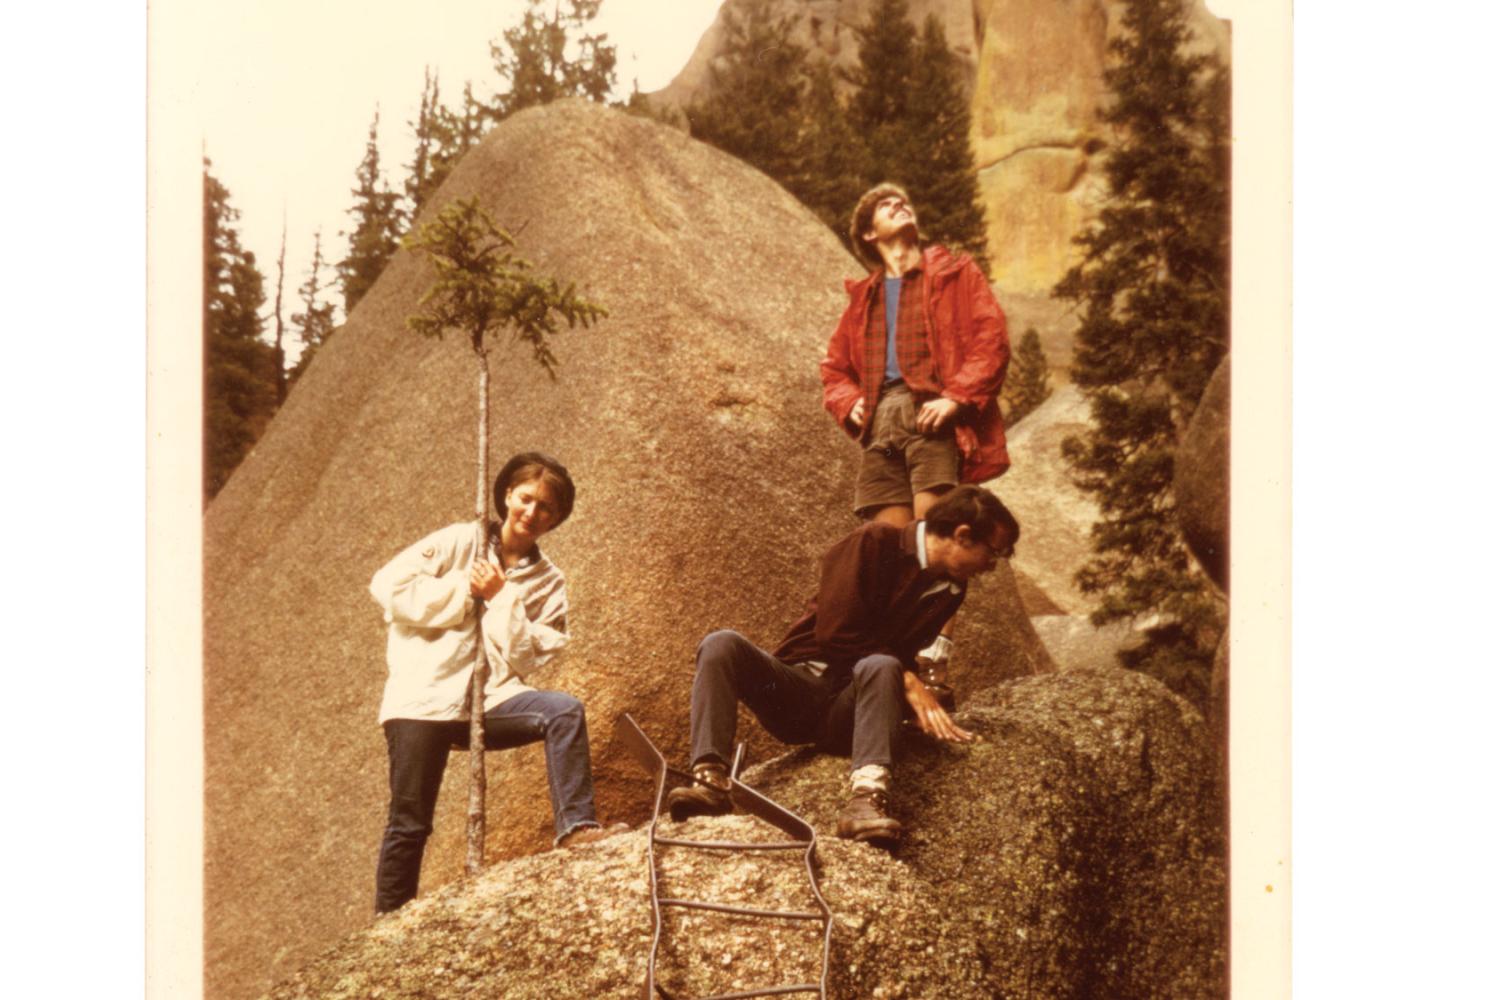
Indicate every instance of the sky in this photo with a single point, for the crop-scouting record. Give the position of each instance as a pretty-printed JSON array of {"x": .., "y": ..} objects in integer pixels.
[{"x": 284, "y": 92}]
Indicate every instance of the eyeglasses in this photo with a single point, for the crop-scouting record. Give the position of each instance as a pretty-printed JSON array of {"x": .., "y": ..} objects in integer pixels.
[{"x": 998, "y": 552}]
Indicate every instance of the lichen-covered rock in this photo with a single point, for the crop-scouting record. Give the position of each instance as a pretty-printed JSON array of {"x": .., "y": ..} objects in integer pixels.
[
  {"x": 1081, "y": 836},
  {"x": 1200, "y": 480},
  {"x": 1072, "y": 853},
  {"x": 710, "y": 481}
]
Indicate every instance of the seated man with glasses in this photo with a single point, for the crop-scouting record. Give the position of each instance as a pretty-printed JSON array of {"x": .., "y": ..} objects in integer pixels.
[{"x": 841, "y": 677}]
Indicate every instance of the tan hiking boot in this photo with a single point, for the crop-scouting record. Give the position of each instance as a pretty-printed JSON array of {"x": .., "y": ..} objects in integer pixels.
[
  {"x": 582, "y": 836},
  {"x": 866, "y": 817},
  {"x": 708, "y": 795}
]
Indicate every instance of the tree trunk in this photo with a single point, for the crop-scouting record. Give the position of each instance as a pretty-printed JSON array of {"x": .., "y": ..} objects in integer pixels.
[{"x": 475, "y": 858}]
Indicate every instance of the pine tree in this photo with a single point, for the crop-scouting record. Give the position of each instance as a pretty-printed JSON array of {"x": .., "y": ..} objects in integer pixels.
[
  {"x": 1153, "y": 290},
  {"x": 239, "y": 378},
  {"x": 546, "y": 57},
  {"x": 314, "y": 324},
  {"x": 833, "y": 167},
  {"x": 1026, "y": 386},
  {"x": 276, "y": 312},
  {"x": 456, "y": 133},
  {"x": 911, "y": 109},
  {"x": 882, "y": 81},
  {"x": 754, "y": 108},
  {"x": 483, "y": 287},
  {"x": 940, "y": 153},
  {"x": 377, "y": 225},
  {"x": 425, "y": 130}
]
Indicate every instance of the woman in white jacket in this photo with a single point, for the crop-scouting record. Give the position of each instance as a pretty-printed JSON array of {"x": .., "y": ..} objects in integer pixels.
[{"x": 427, "y": 593}]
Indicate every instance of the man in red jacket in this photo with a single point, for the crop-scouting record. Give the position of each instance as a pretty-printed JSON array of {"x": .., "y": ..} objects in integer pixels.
[
  {"x": 840, "y": 678},
  {"x": 913, "y": 369}
]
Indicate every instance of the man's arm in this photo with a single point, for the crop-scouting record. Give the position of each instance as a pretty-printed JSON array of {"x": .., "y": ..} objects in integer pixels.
[
  {"x": 847, "y": 580},
  {"x": 982, "y": 371},
  {"x": 842, "y": 394},
  {"x": 933, "y": 719}
]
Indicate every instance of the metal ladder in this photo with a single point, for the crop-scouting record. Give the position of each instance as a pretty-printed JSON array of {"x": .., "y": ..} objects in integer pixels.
[{"x": 747, "y": 800}]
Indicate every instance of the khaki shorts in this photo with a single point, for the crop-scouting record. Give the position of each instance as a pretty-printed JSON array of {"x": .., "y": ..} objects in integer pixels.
[{"x": 899, "y": 462}]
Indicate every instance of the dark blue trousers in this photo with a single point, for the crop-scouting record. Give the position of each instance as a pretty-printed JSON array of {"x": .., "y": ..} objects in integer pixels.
[{"x": 418, "y": 751}]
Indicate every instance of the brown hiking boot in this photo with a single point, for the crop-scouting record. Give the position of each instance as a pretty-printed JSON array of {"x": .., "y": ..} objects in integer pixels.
[
  {"x": 708, "y": 795},
  {"x": 866, "y": 817},
  {"x": 583, "y": 835}
]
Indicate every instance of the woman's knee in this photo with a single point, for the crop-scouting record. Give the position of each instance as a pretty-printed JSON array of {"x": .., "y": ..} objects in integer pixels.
[{"x": 563, "y": 708}]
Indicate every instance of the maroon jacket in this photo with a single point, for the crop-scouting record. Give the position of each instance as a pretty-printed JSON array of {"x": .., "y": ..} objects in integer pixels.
[
  {"x": 873, "y": 597},
  {"x": 970, "y": 349}
]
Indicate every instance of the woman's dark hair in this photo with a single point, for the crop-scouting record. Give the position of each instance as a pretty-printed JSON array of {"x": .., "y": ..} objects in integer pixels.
[
  {"x": 528, "y": 467},
  {"x": 975, "y": 506}
]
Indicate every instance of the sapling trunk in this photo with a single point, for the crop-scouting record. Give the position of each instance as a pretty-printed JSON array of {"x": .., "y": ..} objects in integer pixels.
[{"x": 475, "y": 857}]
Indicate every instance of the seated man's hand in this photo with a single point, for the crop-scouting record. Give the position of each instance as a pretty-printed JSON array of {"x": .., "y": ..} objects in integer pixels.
[
  {"x": 931, "y": 717},
  {"x": 485, "y": 579}
]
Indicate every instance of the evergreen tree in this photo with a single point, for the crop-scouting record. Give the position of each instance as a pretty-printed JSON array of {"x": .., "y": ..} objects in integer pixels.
[
  {"x": 377, "y": 225},
  {"x": 911, "y": 109},
  {"x": 1152, "y": 287},
  {"x": 278, "y": 347},
  {"x": 548, "y": 56},
  {"x": 1026, "y": 386},
  {"x": 425, "y": 130},
  {"x": 754, "y": 108},
  {"x": 883, "y": 83},
  {"x": 456, "y": 132},
  {"x": 239, "y": 377},
  {"x": 935, "y": 139},
  {"x": 483, "y": 287},
  {"x": 314, "y": 324},
  {"x": 833, "y": 167}
]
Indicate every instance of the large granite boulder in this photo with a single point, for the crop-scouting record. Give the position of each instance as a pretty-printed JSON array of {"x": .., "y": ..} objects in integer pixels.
[
  {"x": 710, "y": 480},
  {"x": 1073, "y": 852},
  {"x": 1200, "y": 479}
]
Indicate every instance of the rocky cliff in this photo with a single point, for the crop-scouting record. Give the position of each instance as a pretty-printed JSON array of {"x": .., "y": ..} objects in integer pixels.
[
  {"x": 1037, "y": 86},
  {"x": 709, "y": 482}
]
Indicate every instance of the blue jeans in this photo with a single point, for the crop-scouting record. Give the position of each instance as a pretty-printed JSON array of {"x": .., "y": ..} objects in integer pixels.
[
  {"x": 418, "y": 752},
  {"x": 856, "y": 714}
]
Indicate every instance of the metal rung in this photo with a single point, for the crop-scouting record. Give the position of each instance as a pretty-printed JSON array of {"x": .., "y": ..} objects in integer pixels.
[
  {"x": 724, "y": 845},
  {"x": 748, "y": 911},
  {"x": 769, "y": 991},
  {"x": 747, "y": 800}
]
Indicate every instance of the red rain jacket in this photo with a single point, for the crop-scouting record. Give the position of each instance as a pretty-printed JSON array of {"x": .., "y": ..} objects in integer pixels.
[{"x": 970, "y": 350}]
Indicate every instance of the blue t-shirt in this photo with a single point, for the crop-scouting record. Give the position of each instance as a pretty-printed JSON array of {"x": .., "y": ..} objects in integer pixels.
[{"x": 892, "y": 305}]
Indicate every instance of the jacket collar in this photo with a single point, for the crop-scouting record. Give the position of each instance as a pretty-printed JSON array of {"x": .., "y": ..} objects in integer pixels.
[{"x": 938, "y": 262}]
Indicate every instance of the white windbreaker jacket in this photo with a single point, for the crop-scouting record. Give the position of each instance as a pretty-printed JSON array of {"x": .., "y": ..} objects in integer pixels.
[{"x": 424, "y": 593}]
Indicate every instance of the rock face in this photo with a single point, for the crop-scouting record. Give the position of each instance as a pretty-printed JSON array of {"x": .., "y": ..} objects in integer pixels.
[
  {"x": 1200, "y": 479},
  {"x": 825, "y": 29},
  {"x": 1037, "y": 85},
  {"x": 1055, "y": 515},
  {"x": 709, "y": 482},
  {"x": 1090, "y": 867}
]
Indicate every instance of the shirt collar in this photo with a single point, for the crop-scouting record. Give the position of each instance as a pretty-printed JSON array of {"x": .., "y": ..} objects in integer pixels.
[{"x": 922, "y": 544}]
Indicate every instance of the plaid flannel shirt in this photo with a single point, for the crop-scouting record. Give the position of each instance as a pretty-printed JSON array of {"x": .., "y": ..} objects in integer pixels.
[{"x": 913, "y": 355}]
